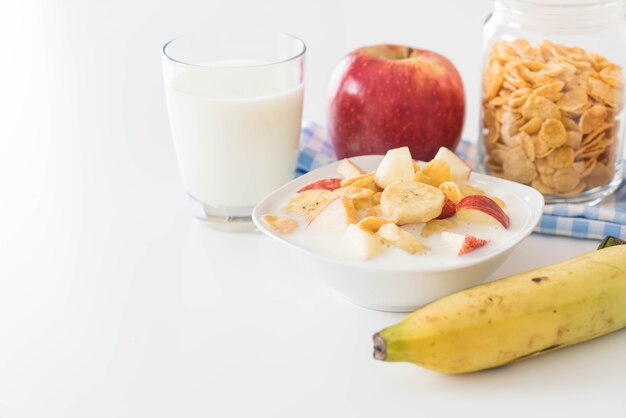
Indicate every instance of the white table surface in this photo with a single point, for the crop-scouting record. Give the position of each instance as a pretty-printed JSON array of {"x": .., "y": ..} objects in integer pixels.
[{"x": 115, "y": 302}]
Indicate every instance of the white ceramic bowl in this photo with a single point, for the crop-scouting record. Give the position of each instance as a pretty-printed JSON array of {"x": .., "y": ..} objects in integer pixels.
[{"x": 403, "y": 288}]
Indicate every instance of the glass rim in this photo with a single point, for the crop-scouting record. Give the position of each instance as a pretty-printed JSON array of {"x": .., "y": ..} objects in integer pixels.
[{"x": 301, "y": 52}]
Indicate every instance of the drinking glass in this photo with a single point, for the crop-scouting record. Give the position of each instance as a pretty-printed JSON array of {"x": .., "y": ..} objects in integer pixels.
[{"x": 235, "y": 112}]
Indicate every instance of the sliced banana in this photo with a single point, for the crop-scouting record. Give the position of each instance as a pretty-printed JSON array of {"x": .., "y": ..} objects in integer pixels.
[
  {"x": 309, "y": 202},
  {"x": 393, "y": 234},
  {"x": 410, "y": 202}
]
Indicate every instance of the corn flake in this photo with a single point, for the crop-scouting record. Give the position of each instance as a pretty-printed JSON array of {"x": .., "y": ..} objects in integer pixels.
[
  {"x": 518, "y": 167},
  {"x": 542, "y": 187},
  {"x": 553, "y": 133},
  {"x": 532, "y": 126},
  {"x": 528, "y": 145},
  {"x": 372, "y": 223},
  {"x": 603, "y": 92},
  {"x": 550, "y": 116},
  {"x": 561, "y": 157},
  {"x": 565, "y": 179},
  {"x": 538, "y": 106},
  {"x": 592, "y": 118},
  {"x": 354, "y": 192},
  {"x": 612, "y": 75},
  {"x": 363, "y": 180},
  {"x": 569, "y": 123},
  {"x": 282, "y": 225},
  {"x": 574, "y": 139},
  {"x": 573, "y": 100},
  {"x": 541, "y": 149},
  {"x": 421, "y": 177},
  {"x": 438, "y": 225},
  {"x": 543, "y": 167},
  {"x": 599, "y": 175},
  {"x": 438, "y": 171}
]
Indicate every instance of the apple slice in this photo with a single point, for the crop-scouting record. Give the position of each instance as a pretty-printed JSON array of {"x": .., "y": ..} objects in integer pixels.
[
  {"x": 396, "y": 165},
  {"x": 347, "y": 169},
  {"x": 393, "y": 234},
  {"x": 471, "y": 243},
  {"x": 334, "y": 218},
  {"x": 362, "y": 243},
  {"x": 463, "y": 244},
  {"x": 324, "y": 184},
  {"x": 448, "y": 210},
  {"x": 459, "y": 169},
  {"x": 481, "y": 209}
]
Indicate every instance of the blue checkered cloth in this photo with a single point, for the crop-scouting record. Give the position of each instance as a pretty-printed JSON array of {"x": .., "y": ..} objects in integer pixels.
[{"x": 570, "y": 220}]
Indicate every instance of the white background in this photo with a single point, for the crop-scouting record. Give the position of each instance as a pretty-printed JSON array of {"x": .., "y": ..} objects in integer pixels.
[
  {"x": 114, "y": 302},
  {"x": 70, "y": 69}
]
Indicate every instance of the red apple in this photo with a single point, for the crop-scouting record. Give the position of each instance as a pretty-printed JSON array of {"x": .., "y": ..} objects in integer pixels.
[
  {"x": 462, "y": 243},
  {"x": 448, "y": 210},
  {"x": 324, "y": 184},
  {"x": 389, "y": 96},
  {"x": 481, "y": 209},
  {"x": 471, "y": 243}
]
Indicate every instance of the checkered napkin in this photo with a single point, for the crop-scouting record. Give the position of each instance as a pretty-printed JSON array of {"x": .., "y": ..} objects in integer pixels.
[{"x": 571, "y": 220}]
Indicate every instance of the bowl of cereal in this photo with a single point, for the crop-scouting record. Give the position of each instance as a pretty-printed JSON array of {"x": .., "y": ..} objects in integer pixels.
[{"x": 392, "y": 234}]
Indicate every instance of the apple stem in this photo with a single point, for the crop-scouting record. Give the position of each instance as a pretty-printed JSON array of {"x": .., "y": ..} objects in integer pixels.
[{"x": 409, "y": 51}]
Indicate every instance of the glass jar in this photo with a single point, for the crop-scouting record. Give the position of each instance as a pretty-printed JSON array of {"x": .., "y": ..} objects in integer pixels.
[{"x": 552, "y": 104}]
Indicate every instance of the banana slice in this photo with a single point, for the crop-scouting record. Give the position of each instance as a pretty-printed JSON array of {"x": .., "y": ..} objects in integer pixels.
[
  {"x": 393, "y": 234},
  {"x": 410, "y": 202},
  {"x": 309, "y": 202}
]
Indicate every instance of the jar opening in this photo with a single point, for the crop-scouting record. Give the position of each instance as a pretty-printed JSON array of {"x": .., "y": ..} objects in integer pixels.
[{"x": 561, "y": 15}]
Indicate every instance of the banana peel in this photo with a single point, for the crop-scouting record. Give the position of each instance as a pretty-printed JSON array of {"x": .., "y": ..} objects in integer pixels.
[{"x": 514, "y": 318}]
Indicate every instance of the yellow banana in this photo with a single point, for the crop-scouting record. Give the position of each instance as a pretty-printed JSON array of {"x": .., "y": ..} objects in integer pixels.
[
  {"x": 411, "y": 202},
  {"x": 513, "y": 318}
]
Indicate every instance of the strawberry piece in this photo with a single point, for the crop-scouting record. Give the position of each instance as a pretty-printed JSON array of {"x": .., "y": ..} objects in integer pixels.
[
  {"x": 326, "y": 184},
  {"x": 448, "y": 210},
  {"x": 470, "y": 243}
]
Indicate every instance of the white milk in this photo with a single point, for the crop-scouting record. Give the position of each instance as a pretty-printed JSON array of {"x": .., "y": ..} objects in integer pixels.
[
  {"x": 438, "y": 256},
  {"x": 235, "y": 131}
]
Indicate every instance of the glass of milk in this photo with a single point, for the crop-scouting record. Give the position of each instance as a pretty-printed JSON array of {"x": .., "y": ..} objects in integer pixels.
[{"x": 235, "y": 111}]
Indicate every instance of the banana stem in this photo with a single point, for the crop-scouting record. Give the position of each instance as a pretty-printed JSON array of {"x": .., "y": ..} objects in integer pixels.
[
  {"x": 380, "y": 348},
  {"x": 610, "y": 241}
]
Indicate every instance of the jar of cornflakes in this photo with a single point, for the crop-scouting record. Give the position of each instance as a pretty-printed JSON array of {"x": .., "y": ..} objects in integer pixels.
[{"x": 552, "y": 105}]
